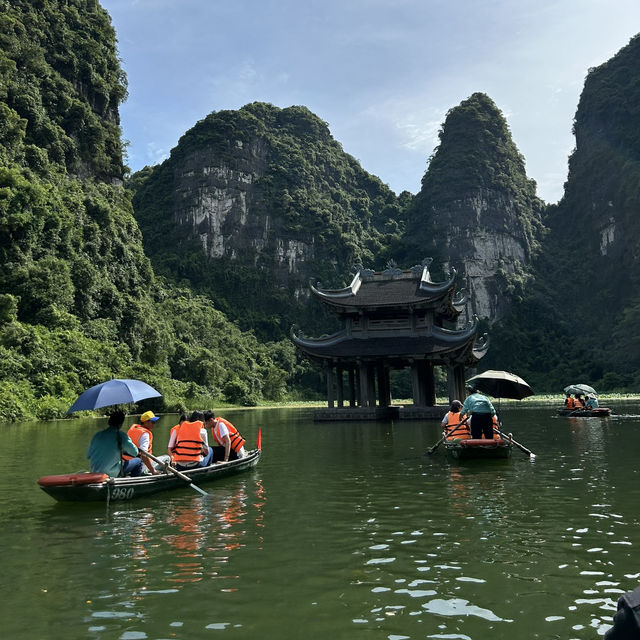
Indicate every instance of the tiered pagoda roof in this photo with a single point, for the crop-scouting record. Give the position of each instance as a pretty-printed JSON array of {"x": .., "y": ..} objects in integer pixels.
[
  {"x": 394, "y": 289},
  {"x": 395, "y": 316},
  {"x": 438, "y": 345}
]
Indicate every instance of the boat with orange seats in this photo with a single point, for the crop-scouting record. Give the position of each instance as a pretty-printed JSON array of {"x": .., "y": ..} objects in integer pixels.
[{"x": 99, "y": 487}]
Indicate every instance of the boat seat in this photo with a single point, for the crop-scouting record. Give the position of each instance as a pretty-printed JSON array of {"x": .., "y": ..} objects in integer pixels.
[
  {"x": 481, "y": 442},
  {"x": 72, "y": 478}
]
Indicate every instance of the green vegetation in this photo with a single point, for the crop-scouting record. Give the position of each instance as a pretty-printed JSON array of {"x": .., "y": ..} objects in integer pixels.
[
  {"x": 89, "y": 291},
  {"x": 79, "y": 301},
  {"x": 299, "y": 180},
  {"x": 475, "y": 162}
]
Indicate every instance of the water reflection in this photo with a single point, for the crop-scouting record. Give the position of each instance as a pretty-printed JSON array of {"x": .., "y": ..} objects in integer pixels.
[{"x": 187, "y": 538}]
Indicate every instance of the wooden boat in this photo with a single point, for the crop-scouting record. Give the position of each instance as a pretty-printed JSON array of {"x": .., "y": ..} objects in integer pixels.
[
  {"x": 465, "y": 449},
  {"x": 600, "y": 412},
  {"x": 99, "y": 487}
]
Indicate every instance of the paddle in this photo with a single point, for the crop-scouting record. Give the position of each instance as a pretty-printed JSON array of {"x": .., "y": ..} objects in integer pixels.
[
  {"x": 522, "y": 448},
  {"x": 448, "y": 432},
  {"x": 175, "y": 472}
]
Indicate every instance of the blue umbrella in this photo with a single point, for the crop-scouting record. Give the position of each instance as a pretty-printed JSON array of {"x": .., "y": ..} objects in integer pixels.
[{"x": 113, "y": 392}]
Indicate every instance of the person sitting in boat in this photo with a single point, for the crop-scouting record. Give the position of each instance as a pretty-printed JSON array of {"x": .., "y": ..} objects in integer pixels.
[
  {"x": 479, "y": 407},
  {"x": 579, "y": 401},
  {"x": 453, "y": 424},
  {"x": 189, "y": 444},
  {"x": 230, "y": 444},
  {"x": 592, "y": 402},
  {"x": 141, "y": 435},
  {"x": 496, "y": 425},
  {"x": 181, "y": 419},
  {"x": 569, "y": 402},
  {"x": 106, "y": 449}
]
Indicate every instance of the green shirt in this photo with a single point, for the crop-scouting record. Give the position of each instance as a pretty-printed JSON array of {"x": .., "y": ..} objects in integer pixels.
[
  {"x": 477, "y": 403},
  {"x": 104, "y": 452}
]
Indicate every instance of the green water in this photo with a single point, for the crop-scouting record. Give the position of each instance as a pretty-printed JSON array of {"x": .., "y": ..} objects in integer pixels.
[{"x": 342, "y": 531}]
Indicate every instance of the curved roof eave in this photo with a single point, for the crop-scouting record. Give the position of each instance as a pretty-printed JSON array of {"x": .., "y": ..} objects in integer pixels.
[{"x": 329, "y": 294}]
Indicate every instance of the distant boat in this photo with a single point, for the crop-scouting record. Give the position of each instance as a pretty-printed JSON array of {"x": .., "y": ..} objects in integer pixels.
[{"x": 600, "y": 412}]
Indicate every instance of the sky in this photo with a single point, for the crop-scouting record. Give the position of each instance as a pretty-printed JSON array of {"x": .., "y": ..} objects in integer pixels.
[{"x": 381, "y": 73}]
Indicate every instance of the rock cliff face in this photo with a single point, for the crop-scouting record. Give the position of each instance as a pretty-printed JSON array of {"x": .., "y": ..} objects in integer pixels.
[
  {"x": 595, "y": 226},
  {"x": 477, "y": 211},
  {"x": 223, "y": 206},
  {"x": 270, "y": 200},
  {"x": 587, "y": 273}
]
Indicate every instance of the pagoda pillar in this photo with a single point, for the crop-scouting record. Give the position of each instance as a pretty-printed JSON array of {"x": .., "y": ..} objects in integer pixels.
[
  {"x": 455, "y": 382},
  {"x": 371, "y": 385},
  {"x": 352, "y": 387},
  {"x": 384, "y": 394},
  {"x": 339, "y": 386},
  {"x": 430, "y": 381},
  {"x": 330, "y": 381},
  {"x": 416, "y": 385},
  {"x": 364, "y": 385}
]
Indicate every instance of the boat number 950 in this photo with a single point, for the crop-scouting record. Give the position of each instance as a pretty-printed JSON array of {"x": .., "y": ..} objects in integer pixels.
[{"x": 122, "y": 493}]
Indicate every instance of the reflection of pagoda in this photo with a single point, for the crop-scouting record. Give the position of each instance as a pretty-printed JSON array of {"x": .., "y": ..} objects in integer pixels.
[{"x": 392, "y": 320}]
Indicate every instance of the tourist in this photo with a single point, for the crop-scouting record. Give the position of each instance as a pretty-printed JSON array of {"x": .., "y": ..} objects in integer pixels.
[
  {"x": 452, "y": 421},
  {"x": 578, "y": 402},
  {"x": 230, "y": 444},
  {"x": 569, "y": 402},
  {"x": 142, "y": 436},
  {"x": 626, "y": 621},
  {"x": 181, "y": 419},
  {"x": 479, "y": 407},
  {"x": 189, "y": 444},
  {"x": 592, "y": 402},
  {"x": 107, "y": 447}
]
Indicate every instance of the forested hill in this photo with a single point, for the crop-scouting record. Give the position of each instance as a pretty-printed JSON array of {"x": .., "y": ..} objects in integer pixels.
[
  {"x": 79, "y": 302},
  {"x": 581, "y": 317},
  {"x": 477, "y": 210},
  {"x": 253, "y": 203}
]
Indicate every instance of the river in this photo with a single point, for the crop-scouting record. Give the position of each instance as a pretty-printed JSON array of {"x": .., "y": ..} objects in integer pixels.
[{"x": 343, "y": 530}]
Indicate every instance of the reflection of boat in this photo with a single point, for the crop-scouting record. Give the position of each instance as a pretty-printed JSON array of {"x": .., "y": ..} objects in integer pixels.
[
  {"x": 465, "y": 449},
  {"x": 600, "y": 412},
  {"x": 98, "y": 487}
]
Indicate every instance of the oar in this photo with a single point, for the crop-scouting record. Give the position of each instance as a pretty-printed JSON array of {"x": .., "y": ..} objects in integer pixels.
[
  {"x": 175, "y": 472},
  {"x": 444, "y": 437},
  {"x": 522, "y": 448}
]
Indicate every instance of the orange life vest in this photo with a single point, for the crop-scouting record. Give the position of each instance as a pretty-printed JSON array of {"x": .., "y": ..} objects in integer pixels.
[
  {"x": 237, "y": 441},
  {"x": 460, "y": 432},
  {"x": 188, "y": 444},
  {"x": 175, "y": 428},
  {"x": 135, "y": 433},
  {"x": 496, "y": 425},
  {"x": 570, "y": 403}
]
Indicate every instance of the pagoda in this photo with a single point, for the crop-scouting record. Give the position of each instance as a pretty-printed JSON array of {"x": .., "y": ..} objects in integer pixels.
[{"x": 394, "y": 319}]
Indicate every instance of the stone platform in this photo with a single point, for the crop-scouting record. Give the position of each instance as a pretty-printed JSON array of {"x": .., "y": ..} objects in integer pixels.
[{"x": 340, "y": 414}]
